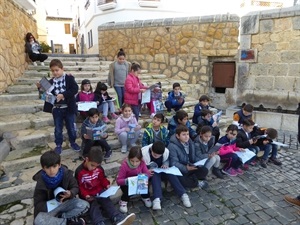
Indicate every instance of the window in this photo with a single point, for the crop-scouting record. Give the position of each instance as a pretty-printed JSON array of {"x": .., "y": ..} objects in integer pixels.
[
  {"x": 90, "y": 39},
  {"x": 67, "y": 28},
  {"x": 58, "y": 48}
]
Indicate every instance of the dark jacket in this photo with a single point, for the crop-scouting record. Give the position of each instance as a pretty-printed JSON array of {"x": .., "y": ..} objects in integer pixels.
[
  {"x": 172, "y": 125},
  {"x": 69, "y": 94},
  {"x": 174, "y": 99},
  {"x": 202, "y": 150},
  {"x": 242, "y": 141},
  {"x": 178, "y": 156},
  {"x": 197, "y": 112},
  {"x": 42, "y": 194},
  {"x": 240, "y": 117},
  {"x": 86, "y": 123},
  {"x": 28, "y": 48},
  {"x": 99, "y": 97}
]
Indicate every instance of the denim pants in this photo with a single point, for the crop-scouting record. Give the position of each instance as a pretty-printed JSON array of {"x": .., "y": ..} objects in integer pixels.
[
  {"x": 136, "y": 111},
  {"x": 105, "y": 106},
  {"x": 213, "y": 162},
  {"x": 69, "y": 209},
  {"x": 120, "y": 94},
  {"x": 125, "y": 197},
  {"x": 267, "y": 149},
  {"x": 231, "y": 160},
  {"x": 169, "y": 106},
  {"x": 60, "y": 116},
  {"x": 156, "y": 184},
  {"x": 88, "y": 144},
  {"x": 123, "y": 138},
  {"x": 190, "y": 179},
  {"x": 98, "y": 206}
]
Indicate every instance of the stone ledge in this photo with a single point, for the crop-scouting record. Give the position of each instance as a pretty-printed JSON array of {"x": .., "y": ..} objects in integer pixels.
[{"x": 277, "y": 13}]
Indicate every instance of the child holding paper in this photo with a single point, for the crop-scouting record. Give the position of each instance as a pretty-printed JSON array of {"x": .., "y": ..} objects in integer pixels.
[
  {"x": 156, "y": 95},
  {"x": 51, "y": 176},
  {"x": 204, "y": 143},
  {"x": 85, "y": 95},
  {"x": 175, "y": 99},
  {"x": 127, "y": 128},
  {"x": 87, "y": 142},
  {"x": 158, "y": 155},
  {"x": 132, "y": 166},
  {"x": 92, "y": 182}
]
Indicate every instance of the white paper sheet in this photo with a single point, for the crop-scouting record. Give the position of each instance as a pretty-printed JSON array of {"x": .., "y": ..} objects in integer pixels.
[
  {"x": 112, "y": 190},
  {"x": 279, "y": 144},
  {"x": 146, "y": 96},
  {"x": 200, "y": 163},
  {"x": 52, "y": 204},
  {"x": 245, "y": 156},
  {"x": 171, "y": 170},
  {"x": 85, "y": 106}
]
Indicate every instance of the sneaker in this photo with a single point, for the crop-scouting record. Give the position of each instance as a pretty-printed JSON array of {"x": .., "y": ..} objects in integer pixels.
[
  {"x": 186, "y": 200},
  {"x": 107, "y": 154},
  {"x": 114, "y": 116},
  {"x": 58, "y": 149},
  {"x": 42, "y": 64},
  {"x": 263, "y": 163},
  {"x": 152, "y": 115},
  {"x": 253, "y": 163},
  {"x": 34, "y": 63},
  {"x": 123, "y": 206},
  {"x": 122, "y": 220},
  {"x": 75, "y": 147},
  {"x": 156, "y": 204},
  {"x": 203, "y": 184},
  {"x": 105, "y": 119},
  {"x": 246, "y": 167},
  {"x": 239, "y": 171},
  {"x": 293, "y": 201},
  {"x": 124, "y": 149},
  {"x": 147, "y": 202},
  {"x": 275, "y": 161},
  {"x": 230, "y": 172},
  {"x": 217, "y": 172},
  {"x": 79, "y": 221}
]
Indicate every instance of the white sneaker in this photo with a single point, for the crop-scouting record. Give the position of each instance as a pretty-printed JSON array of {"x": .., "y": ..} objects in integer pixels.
[
  {"x": 186, "y": 200},
  {"x": 42, "y": 64},
  {"x": 124, "y": 149},
  {"x": 147, "y": 202},
  {"x": 34, "y": 63},
  {"x": 156, "y": 204},
  {"x": 123, "y": 206},
  {"x": 152, "y": 115}
]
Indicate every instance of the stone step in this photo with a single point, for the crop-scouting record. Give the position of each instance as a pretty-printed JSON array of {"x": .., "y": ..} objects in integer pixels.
[
  {"x": 76, "y": 58},
  {"x": 18, "y": 97},
  {"x": 21, "y": 88},
  {"x": 9, "y": 108},
  {"x": 83, "y": 74},
  {"x": 80, "y": 63},
  {"x": 71, "y": 68}
]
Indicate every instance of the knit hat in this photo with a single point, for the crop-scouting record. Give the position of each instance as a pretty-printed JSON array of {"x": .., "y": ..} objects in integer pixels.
[{"x": 85, "y": 81}]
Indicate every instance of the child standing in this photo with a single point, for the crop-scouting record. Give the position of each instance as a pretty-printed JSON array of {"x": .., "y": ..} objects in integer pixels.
[
  {"x": 183, "y": 156},
  {"x": 203, "y": 104},
  {"x": 156, "y": 95},
  {"x": 64, "y": 108},
  {"x": 118, "y": 71},
  {"x": 130, "y": 167},
  {"x": 155, "y": 131},
  {"x": 105, "y": 102},
  {"x": 134, "y": 89},
  {"x": 91, "y": 122},
  {"x": 92, "y": 181},
  {"x": 127, "y": 128},
  {"x": 203, "y": 146},
  {"x": 157, "y": 154},
  {"x": 227, "y": 152},
  {"x": 86, "y": 94},
  {"x": 51, "y": 176},
  {"x": 175, "y": 99}
]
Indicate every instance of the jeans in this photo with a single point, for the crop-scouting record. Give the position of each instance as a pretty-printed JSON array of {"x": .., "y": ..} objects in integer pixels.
[
  {"x": 267, "y": 149},
  {"x": 69, "y": 209},
  {"x": 105, "y": 106},
  {"x": 169, "y": 106},
  {"x": 156, "y": 184},
  {"x": 125, "y": 197},
  {"x": 213, "y": 162},
  {"x": 120, "y": 94},
  {"x": 38, "y": 57},
  {"x": 190, "y": 179},
  {"x": 106, "y": 205},
  {"x": 59, "y": 116},
  {"x": 231, "y": 160},
  {"x": 136, "y": 111},
  {"x": 88, "y": 144},
  {"x": 123, "y": 138}
]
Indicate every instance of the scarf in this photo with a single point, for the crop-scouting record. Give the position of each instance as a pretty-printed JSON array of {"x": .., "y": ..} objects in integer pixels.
[{"x": 53, "y": 182}]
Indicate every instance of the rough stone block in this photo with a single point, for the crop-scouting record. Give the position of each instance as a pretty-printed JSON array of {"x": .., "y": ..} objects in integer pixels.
[
  {"x": 258, "y": 69},
  {"x": 4, "y": 150},
  {"x": 294, "y": 69},
  {"x": 16, "y": 193},
  {"x": 278, "y": 70},
  {"x": 264, "y": 82},
  {"x": 245, "y": 41},
  {"x": 266, "y": 26},
  {"x": 296, "y": 23},
  {"x": 249, "y": 24},
  {"x": 284, "y": 83},
  {"x": 287, "y": 12},
  {"x": 290, "y": 56}
]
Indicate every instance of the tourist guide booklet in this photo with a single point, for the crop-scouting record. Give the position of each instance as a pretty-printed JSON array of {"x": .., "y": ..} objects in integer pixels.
[
  {"x": 53, "y": 203},
  {"x": 138, "y": 184},
  {"x": 112, "y": 190},
  {"x": 86, "y": 106},
  {"x": 96, "y": 133},
  {"x": 246, "y": 155}
]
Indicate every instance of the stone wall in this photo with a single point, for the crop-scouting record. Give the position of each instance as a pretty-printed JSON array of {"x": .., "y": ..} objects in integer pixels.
[
  {"x": 14, "y": 24},
  {"x": 177, "y": 47},
  {"x": 273, "y": 78}
]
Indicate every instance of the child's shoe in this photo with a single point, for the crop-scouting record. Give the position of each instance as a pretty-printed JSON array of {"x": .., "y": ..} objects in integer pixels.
[
  {"x": 293, "y": 201},
  {"x": 230, "y": 172},
  {"x": 245, "y": 167},
  {"x": 156, "y": 204},
  {"x": 58, "y": 149},
  {"x": 34, "y": 63},
  {"x": 147, "y": 202},
  {"x": 263, "y": 163},
  {"x": 123, "y": 206},
  {"x": 105, "y": 119},
  {"x": 125, "y": 220},
  {"x": 216, "y": 171},
  {"x": 108, "y": 154},
  {"x": 275, "y": 161},
  {"x": 79, "y": 221},
  {"x": 75, "y": 147},
  {"x": 239, "y": 171},
  {"x": 253, "y": 163},
  {"x": 42, "y": 64},
  {"x": 186, "y": 200},
  {"x": 114, "y": 116},
  {"x": 202, "y": 184},
  {"x": 124, "y": 148}
]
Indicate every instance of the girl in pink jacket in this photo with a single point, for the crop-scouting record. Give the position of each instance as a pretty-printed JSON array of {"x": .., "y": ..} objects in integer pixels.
[{"x": 134, "y": 89}]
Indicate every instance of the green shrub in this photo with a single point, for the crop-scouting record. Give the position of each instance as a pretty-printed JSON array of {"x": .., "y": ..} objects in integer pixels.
[{"x": 45, "y": 47}]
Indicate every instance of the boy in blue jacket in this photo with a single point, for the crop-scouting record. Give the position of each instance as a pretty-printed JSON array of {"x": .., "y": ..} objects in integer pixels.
[
  {"x": 175, "y": 99},
  {"x": 203, "y": 104}
]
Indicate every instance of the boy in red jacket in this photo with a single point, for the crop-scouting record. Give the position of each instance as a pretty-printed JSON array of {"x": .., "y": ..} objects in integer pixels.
[{"x": 92, "y": 182}]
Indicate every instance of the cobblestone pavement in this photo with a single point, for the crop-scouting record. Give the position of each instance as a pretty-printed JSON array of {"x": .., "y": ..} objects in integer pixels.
[{"x": 253, "y": 198}]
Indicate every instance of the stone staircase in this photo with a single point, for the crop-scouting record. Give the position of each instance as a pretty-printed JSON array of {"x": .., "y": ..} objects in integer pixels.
[{"x": 30, "y": 131}]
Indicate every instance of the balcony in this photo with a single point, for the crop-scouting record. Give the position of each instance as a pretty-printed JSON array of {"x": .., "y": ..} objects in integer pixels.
[
  {"x": 107, "y": 4},
  {"x": 28, "y": 5},
  {"x": 149, "y": 3}
]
